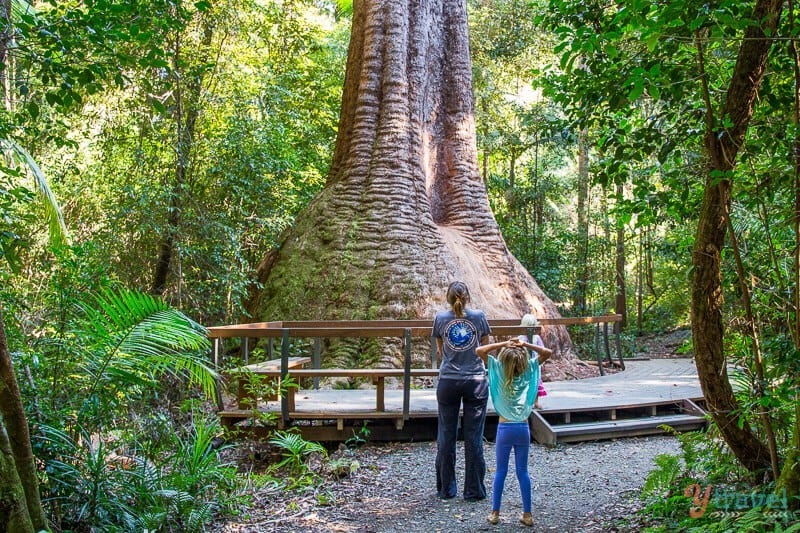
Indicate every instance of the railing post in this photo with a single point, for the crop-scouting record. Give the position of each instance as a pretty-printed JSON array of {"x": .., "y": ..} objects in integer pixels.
[
  {"x": 218, "y": 381},
  {"x": 316, "y": 359},
  {"x": 284, "y": 373},
  {"x": 618, "y": 331},
  {"x": 407, "y": 374},
  {"x": 434, "y": 362},
  {"x": 246, "y": 350},
  {"x": 605, "y": 342},
  {"x": 597, "y": 349}
]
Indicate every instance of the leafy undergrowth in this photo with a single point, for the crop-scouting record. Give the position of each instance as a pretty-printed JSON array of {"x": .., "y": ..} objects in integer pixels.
[{"x": 705, "y": 490}]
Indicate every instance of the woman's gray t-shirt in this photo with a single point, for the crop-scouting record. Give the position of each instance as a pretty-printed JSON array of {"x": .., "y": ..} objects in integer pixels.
[{"x": 460, "y": 337}]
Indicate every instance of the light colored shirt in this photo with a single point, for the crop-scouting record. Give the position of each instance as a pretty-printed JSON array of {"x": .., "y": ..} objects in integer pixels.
[{"x": 514, "y": 404}]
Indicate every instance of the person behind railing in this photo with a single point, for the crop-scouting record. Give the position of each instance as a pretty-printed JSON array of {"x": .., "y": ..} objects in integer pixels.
[
  {"x": 530, "y": 320},
  {"x": 462, "y": 379},
  {"x": 513, "y": 378}
]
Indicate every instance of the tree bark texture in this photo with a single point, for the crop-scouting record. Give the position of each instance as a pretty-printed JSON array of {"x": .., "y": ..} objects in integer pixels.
[
  {"x": 13, "y": 509},
  {"x": 13, "y": 419},
  {"x": 722, "y": 147},
  {"x": 404, "y": 211}
]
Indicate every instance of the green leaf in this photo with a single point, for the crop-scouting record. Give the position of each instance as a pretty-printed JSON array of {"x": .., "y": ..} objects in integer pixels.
[
  {"x": 33, "y": 109},
  {"x": 655, "y": 92},
  {"x": 652, "y": 41},
  {"x": 636, "y": 91}
]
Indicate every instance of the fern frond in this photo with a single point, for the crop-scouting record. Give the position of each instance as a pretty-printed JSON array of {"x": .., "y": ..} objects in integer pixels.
[{"x": 133, "y": 337}]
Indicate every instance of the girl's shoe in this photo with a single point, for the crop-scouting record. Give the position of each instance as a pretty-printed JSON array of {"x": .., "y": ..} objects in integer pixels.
[
  {"x": 526, "y": 519},
  {"x": 494, "y": 517}
]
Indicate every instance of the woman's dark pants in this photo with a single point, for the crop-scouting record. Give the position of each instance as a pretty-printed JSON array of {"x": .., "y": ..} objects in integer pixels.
[{"x": 450, "y": 394}]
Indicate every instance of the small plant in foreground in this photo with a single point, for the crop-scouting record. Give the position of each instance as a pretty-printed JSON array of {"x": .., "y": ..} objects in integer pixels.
[
  {"x": 359, "y": 438},
  {"x": 295, "y": 449}
]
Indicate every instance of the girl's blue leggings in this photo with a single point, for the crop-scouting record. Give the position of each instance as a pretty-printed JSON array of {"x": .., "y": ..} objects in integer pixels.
[{"x": 516, "y": 435}]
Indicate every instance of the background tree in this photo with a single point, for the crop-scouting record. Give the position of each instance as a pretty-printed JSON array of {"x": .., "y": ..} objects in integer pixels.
[
  {"x": 724, "y": 137},
  {"x": 653, "y": 124}
]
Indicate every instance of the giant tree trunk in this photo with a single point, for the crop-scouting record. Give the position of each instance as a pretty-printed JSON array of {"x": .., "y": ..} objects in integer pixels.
[
  {"x": 722, "y": 147},
  {"x": 404, "y": 211}
]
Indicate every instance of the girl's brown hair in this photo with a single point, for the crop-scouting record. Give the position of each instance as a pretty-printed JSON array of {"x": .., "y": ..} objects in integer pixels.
[
  {"x": 515, "y": 363},
  {"x": 458, "y": 297}
]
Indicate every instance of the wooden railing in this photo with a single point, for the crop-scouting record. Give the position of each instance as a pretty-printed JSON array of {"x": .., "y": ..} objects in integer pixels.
[{"x": 403, "y": 329}]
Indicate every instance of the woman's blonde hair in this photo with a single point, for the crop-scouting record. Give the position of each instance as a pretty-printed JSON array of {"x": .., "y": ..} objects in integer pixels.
[{"x": 515, "y": 363}]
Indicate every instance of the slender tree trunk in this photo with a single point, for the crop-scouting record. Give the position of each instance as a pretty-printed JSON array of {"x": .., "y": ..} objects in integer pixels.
[
  {"x": 640, "y": 282},
  {"x": 790, "y": 474},
  {"x": 582, "y": 236},
  {"x": 758, "y": 363},
  {"x": 404, "y": 210},
  {"x": 795, "y": 327},
  {"x": 6, "y": 63},
  {"x": 607, "y": 276},
  {"x": 187, "y": 110},
  {"x": 12, "y": 417},
  {"x": 722, "y": 146},
  {"x": 538, "y": 209},
  {"x": 789, "y": 479},
  {"x": 14, "y": 517},
  {"x": 621, "y": 304}
]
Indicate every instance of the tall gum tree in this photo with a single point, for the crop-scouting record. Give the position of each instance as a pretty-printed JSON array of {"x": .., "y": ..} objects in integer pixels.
[
  {"x": 722, "y": 145},
  {"x": 404, "y": 210}
]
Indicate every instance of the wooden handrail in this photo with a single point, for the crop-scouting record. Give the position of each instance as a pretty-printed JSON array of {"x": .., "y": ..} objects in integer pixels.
[{"x": 382, "y": 328}]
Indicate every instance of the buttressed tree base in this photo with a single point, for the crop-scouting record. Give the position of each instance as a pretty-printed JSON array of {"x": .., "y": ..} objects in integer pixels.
[{"x": 404, "y": 210}]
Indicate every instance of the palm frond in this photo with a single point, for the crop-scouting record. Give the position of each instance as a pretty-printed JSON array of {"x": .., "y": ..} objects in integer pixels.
[
  {"x": 20, "y": 8},
  {"x": 17, "y": 155},
  {"x": 131, "y": 336}
]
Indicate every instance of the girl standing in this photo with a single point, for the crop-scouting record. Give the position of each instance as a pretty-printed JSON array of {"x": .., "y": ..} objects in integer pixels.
[{"x": 513, "y": 385}]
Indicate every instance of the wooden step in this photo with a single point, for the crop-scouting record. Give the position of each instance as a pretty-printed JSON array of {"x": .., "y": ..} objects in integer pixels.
[
  {"x": 614, "y": 422},
  {"x": 610, "y": 429}
]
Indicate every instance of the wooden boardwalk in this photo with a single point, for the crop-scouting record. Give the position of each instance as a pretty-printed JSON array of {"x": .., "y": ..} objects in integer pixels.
[
  {"x": 626, "y": 403},
  {"x": 654, "y": 380}
]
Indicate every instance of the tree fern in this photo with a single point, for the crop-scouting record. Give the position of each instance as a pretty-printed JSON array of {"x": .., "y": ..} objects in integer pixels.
[{"x": 294, "y": 448}]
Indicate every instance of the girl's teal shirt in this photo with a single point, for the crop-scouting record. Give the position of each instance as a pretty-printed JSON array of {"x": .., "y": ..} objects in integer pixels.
[{"x": 516, "y": 404}]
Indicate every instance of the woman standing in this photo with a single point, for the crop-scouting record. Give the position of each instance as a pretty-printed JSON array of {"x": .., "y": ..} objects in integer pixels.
[{"x": 462, "y": 379}]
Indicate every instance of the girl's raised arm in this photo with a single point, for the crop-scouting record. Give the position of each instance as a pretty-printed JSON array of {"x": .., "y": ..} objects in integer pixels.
[
  {"x": 484, "y": 350},
  {"x": 544, "y": 353}
]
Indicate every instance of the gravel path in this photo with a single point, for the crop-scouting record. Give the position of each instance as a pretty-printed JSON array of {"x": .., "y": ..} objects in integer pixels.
[{"x": 577, "y": 487}]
